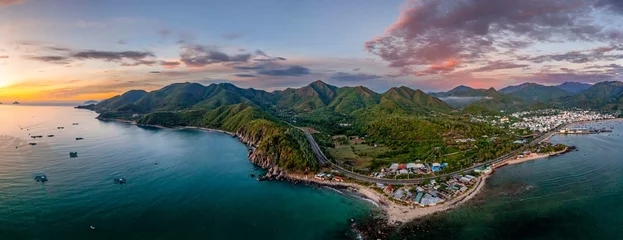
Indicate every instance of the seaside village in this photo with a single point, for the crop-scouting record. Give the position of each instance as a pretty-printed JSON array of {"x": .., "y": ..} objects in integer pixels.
[
  {"x": 433, "y": 192},
  {"x": 430, "y": 193}
]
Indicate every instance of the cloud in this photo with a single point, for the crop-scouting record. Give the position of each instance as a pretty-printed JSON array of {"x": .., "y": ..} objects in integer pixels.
[
  {"x": 349, "y": 77},
  {"x": 199, "y": 56},
  {"x": 164, "y": 33},
  {"x": 431, "y": 32},
  {"x": 231, "y": 36},
  {"x": 138, "y": 63},
  {"x": 499, "y": 65},
  {"x": 4, "y": 3},
  {"x": 263, "y": 57},
  {"x": 445, "y": 67},
  {"x": 122, "y": 42},
  {"x": 4, "y": 56},
  {"x": 113, "y": 56},
  {"x": 49, "y": 59},
  {"x": 290, "y": 71},
  {"x": 243, "y": 75},
  {"x": 585, "y": 56},
  {"x": 170, "y": 64}
]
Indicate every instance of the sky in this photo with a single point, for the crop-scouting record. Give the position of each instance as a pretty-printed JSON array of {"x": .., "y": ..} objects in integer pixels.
[{"x": 76, "y": 50}]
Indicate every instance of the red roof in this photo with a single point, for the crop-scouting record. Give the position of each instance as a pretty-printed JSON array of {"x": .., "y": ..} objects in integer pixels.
[{"x": 402, "y": 166}]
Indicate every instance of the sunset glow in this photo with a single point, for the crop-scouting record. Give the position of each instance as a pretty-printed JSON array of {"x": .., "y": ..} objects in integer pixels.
[{"x": 73, "y": 52}]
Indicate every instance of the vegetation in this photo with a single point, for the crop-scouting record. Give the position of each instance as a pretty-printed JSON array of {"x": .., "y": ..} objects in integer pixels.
[{"x": 400, "y": 125}]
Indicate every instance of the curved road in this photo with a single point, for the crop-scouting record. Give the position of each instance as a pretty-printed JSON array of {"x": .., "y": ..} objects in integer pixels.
[{"x": 323, "y": 159}]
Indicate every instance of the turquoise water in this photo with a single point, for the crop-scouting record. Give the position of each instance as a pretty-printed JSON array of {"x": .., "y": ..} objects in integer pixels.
[
  {"x": 200, "y": 188},
  {"x": 575, "y": 196}
]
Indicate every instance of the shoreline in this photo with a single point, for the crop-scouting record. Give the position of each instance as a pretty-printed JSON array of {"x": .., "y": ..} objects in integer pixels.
[
  {"x": 395, "y": 213},
  {"x": 533, "y": 157},
  {"x": 164, "y": 127}
]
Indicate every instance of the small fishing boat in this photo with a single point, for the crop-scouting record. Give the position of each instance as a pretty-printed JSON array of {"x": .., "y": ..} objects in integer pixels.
[
  {"x": 92, "y": 228},
  {"x": 32, "y": 144},
  {"x": 120, "y": 180},
  {"x": 51, "y": 135},
  {"x": 79, "y": 138},
  {"x": 41, "y": 178},
  {"x": 60, "y": 127},
  {"x": 74, "y": 124},
  {"x": 73, "y": 154}
]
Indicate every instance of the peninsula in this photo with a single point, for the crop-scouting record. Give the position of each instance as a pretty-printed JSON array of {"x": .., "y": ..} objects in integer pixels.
[{"x": 409, "y": 151}]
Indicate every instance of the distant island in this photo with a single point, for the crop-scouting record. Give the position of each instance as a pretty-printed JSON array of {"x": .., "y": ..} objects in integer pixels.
[
  {"x": 395, "y": 139},
  {"x": 16, "y": 102}
]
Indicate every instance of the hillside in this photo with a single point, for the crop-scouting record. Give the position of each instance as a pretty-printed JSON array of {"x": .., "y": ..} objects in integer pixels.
[
  {"x": 602, "y": 96},
  {"x": 574, "y": 87},
  {"x": 259, "y": 117},
  {"x": 532, "y": 92}
]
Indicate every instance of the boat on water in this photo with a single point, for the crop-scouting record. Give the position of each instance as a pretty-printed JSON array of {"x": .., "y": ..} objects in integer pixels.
[
  {"x": 73, "y": 154},
  {"x": 120, "y": 180},
  {"x": 41, "y": 178},
  {"x": 51, "y": 135},
  {"x": 74, "y": 123},
  {"x": 32, "y": 144},
  {"x": 92, "y": 228},
  {"x": 79, "y": 138},
  {"x": 60, "y": 127}
]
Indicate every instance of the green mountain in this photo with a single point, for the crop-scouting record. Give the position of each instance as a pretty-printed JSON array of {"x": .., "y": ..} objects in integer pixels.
[
  {"x": 574, "y": 87},
  {"x": 532, "y": 92},
  {"x": 259, "y": 117},
  {"x": 601, "y": 96},
  {"x": 120, "y": 102},
  {"x": 407, "y": 100},
  {"x": 306, "y": 99},
  {"x": 494, "y": 102}
]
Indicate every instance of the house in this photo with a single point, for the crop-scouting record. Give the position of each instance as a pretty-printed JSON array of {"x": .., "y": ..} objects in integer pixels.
[
  {"x": 320, "y": 176},
  {"x": 403, "y": 171},
  {"x": 338, "y": 179},
  {"x": 393, "y": 167},
  {"x": 389, "y": 189},
  {"x": 411, "y": 166},
  {"x": 436, "y": 167},
  {"x": 402, "y": 166},
  {"x": 398, "y": 194},
  {"x": 420, "y": 166},
  {"x": 465, "y": 180}
]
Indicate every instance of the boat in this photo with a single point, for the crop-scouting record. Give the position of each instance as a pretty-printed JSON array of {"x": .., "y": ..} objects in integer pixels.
[
  {"x": 74, "y": 123},
  {"x": 51, "y": 135},
  {"x": 32, "y": 144},
  {"x": 92, "y": 228},
  {"x": 73, "y": 154},
  {"x": 41, "y": 178},
  {"x": 120, "y": 180},
  {"x": 79, "y": 138},
  {"x": 60, "y": 127}
]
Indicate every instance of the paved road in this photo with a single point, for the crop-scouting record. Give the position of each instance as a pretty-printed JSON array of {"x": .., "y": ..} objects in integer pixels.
[{"x": 324, "y": 160}]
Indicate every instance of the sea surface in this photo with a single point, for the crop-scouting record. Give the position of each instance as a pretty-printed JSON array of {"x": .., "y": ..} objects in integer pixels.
[
  {"x": 200, "y": 187},
  {"x": 578, "y": 195}
]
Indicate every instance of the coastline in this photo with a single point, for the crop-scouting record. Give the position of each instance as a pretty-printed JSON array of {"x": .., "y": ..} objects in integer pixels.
[
  {"x": 395, "y": 213},
  {"x": 160, "y": 126},
  {"x": 534, "y": 157}
]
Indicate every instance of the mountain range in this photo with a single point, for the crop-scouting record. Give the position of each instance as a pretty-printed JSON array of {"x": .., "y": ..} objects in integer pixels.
[{"x": 263, "y": 119}]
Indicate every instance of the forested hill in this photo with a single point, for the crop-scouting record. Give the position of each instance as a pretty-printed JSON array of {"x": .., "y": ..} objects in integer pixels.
[{"x": 262, "y": 118}]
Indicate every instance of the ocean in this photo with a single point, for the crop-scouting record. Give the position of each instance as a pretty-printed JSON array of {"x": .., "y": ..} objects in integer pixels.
[{"x": 200, "y": 187}]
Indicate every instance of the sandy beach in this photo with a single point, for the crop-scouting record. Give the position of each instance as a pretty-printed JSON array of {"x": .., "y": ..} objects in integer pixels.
[
  {"x": 533, "y": 156},
  {"x": 397, "y": 213}
]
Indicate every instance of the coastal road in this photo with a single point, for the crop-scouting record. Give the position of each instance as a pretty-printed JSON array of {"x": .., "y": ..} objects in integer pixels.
[{"x": 324, "y": 160}]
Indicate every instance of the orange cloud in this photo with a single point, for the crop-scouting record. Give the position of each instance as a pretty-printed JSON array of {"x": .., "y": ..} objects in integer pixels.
[{"x": 445, "y": 67}]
